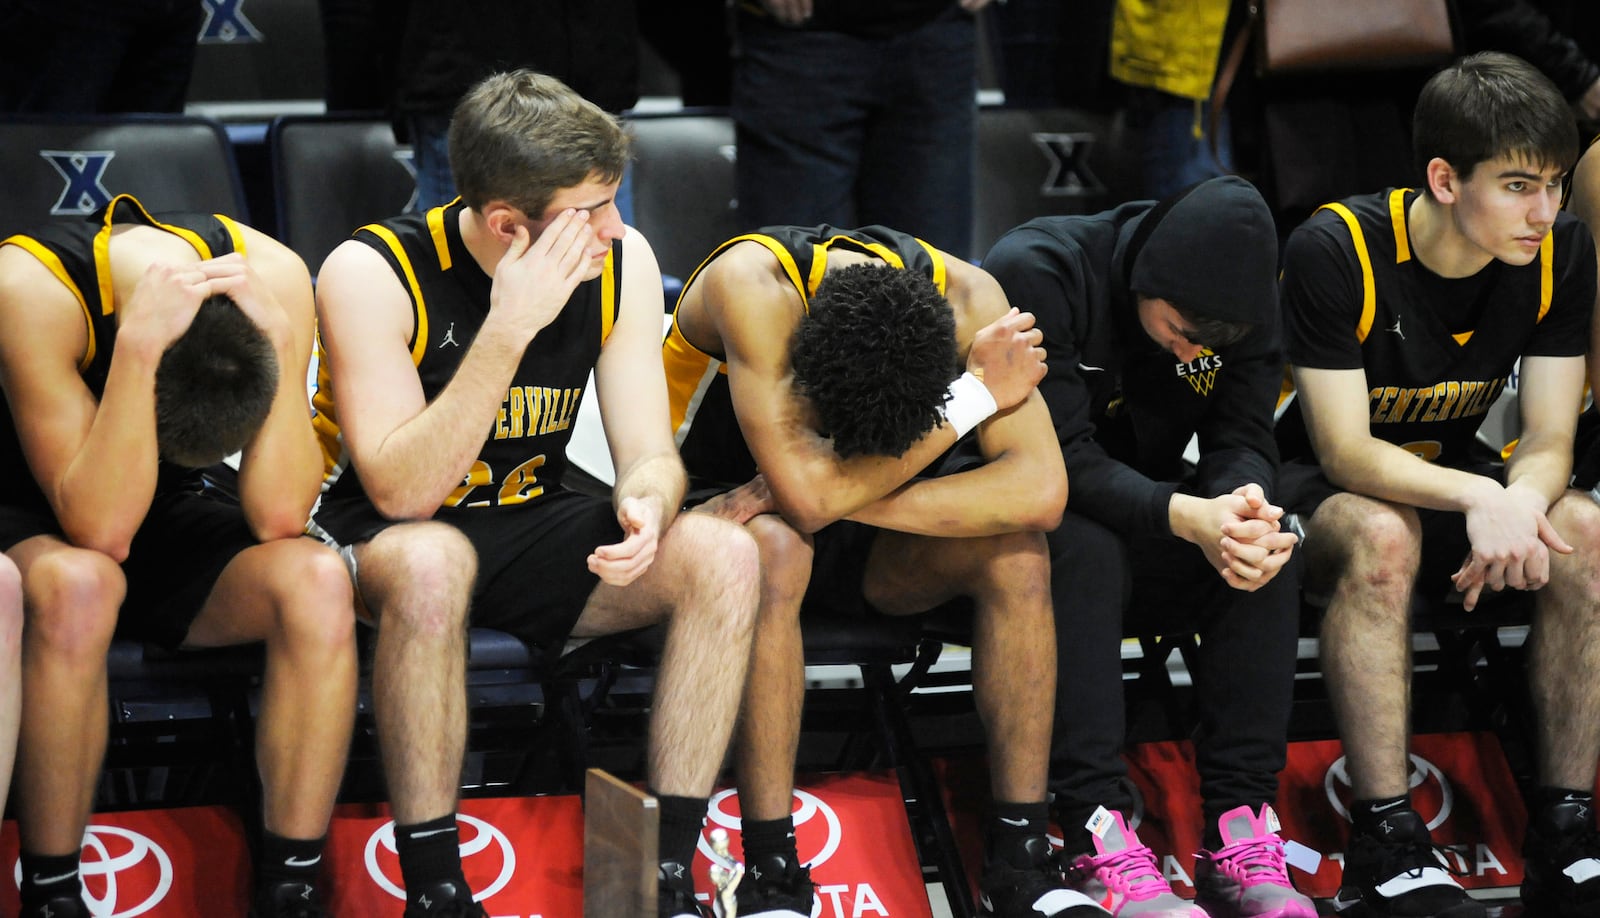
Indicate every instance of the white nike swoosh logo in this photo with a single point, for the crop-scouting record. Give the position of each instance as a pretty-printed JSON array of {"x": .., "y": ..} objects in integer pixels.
[
  {"x": 1387, "y": 806},
  {"x": 1014, "y": 822},
  {"x": 46, "y": 881},
  {"x": 429, "y": 832},
  {"x": 1085, "y": 366},
  {"x": 1340, "y": 903},
  {"x": 306, "y": 862}
]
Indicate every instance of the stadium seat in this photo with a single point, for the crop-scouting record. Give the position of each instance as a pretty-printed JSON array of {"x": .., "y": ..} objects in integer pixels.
[
  {"x": 64, "y": 167},
  {"x": 1034, "y": 162},
  {"x": 334, "y": 174},
  {"x": 683, "y": 185}
]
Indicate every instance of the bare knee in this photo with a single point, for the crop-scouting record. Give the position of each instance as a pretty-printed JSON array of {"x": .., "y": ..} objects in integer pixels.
[
  {"x": 313, "y": 597},
  {"x": 1371, "y": 542},
  {"x": 786, "y": 557},
  {"x": 718, "y": 564},
  {"x": 1576, "y": 518},
  {"x": 72, "y": 598},
  {"x": 418, "y": 576},
  {"x": 1011, "y": 563}
]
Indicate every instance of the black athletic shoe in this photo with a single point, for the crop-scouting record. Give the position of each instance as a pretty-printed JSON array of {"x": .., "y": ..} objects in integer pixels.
[
  {"x": 1027, "y": 883},
  {"x": 59, "y": 907},
  {"x": 287, "y": 900},
  {"x": 1561, "y": 863},
  {"x": 675, "y": 893},
  {"x": 445, "y": 899},
  {"x": 1398, "y": 873},
  {"x": 774, "y": 888}
]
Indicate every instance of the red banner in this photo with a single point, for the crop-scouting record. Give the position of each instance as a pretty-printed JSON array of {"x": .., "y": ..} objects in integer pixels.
[
  {"x": 851, "y": 829},
  {"x": 179, "y": 863},
  {"x": 1460, "y": 783},
  {"x": 522, "y": 856}
]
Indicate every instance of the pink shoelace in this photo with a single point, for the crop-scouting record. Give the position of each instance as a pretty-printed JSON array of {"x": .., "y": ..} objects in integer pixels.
[
  {"x": 1132, "y": 872},
  {"x": 1256, "y": 860}
]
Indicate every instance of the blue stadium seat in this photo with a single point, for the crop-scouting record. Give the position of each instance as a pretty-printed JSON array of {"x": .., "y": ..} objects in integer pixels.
[{"x": 64, "y": 167}]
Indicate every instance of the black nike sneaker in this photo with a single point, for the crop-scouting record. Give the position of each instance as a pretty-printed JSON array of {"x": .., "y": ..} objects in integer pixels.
[
  {"x": 1396, "y": 872},
  {"x": 1561, "y": 863},
  {"x": 773, "y": 887}
]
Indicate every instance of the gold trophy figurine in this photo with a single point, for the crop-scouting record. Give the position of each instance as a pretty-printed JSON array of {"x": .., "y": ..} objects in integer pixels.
[{"x": 725, "y": 875}]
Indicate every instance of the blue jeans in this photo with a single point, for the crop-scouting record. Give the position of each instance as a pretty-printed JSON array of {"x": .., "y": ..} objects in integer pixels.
[
  {"x": 852, "y": 131},
  {"x": 1177, "y": 151},
  {"x": 435, "y": 186}
]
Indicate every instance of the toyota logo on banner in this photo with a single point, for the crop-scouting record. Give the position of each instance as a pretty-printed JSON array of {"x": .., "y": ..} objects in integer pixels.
[
  {"x": 1427, "y": 785},
  {"x": 811, "y": 807},
  {"x": 482, "y": 837},
  {"x": 124, "y": 873}
]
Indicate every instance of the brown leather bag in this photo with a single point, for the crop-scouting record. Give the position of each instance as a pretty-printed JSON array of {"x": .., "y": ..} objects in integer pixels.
[{"x": 1308, "y": 36}]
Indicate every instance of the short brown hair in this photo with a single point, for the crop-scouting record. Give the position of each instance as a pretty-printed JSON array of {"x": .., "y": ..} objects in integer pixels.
[
  {"x": 522, "y": 136},
  {"x": 1489, "y": 105}
]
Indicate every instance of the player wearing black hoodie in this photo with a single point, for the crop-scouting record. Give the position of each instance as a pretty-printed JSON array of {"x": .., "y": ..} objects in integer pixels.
[{"x": 1161, "y": 326}]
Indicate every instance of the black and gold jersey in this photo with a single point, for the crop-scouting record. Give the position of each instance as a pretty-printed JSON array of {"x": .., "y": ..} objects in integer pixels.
[
  {"x": 78, "y": 253},
  {"x": 1436, "y": 351},
  {"x": 525, "y": 448},
  {"x": 703, "y": 420}
]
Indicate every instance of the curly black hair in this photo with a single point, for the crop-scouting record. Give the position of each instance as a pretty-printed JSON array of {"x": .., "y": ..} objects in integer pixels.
[
  {"x": 214, "y": 386},
  {"x": 874, "y": 355}
]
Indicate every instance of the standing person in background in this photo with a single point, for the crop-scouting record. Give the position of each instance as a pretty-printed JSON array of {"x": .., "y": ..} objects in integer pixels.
[
  {"x": 98, "y": 56},
  {"x": 850, "y": 113},
  {"x": 446, "y": 48}
]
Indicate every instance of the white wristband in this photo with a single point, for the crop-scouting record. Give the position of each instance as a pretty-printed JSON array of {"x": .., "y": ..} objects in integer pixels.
[{"x": 968, "y": 403}]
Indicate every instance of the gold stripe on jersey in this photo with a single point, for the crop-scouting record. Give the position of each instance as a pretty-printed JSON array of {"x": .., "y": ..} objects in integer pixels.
[
  {"x": 327, "y": 429},
  {"x": 195, "y": 240},
  {"x": 54, "y": 266},
  {"x": 608, "y": 298},
  {"x": 690, "y": 376},
  {"x": 419, "y": 309},
  {"x": 441, "y": 242},
  {"x": 1547, "y": 267},
  {"x": 1397, "y": 219},
  {"x": 1369, "y": 293},
  {"x": 234, "y": 232}
]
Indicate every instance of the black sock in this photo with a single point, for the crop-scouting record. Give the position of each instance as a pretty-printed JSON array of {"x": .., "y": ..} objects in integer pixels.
[
  {"x": 50, "y": 876},
  {"x": 1546, "y": 798},
  {"x": 1075, "y": 838},
  {"x": 763, "y": 837},
  {"x": 1366, "y": 814},
  {"x": 289, "y": 860},
  {"x": 1009, "y": 828},
  {"x": 430, "y": 853},
  {"x": 681, "y": 819}
]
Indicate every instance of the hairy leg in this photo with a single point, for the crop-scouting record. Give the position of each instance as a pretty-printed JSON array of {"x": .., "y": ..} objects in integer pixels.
[
  {"x": 1013, "y": 667},
  {"x": 1565, "y": 649},
  {"x": 71, "y": 599},
  {"x": 294, "y": 595},
  {"x": 707, "y": 577},
  {"x": 768, "y": 735},
  {"x": 416, "y": 579},
  {"x": 1367, "y": 552}
]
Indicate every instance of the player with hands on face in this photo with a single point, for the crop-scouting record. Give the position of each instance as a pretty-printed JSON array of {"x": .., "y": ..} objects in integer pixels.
[{"x": 457, "y": 347}]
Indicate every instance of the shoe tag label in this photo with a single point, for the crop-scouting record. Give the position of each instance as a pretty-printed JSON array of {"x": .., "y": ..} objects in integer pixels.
[
  {"x": 1099, "y": 823},
  {"x": 1298, "y": 855},
  {"x": 1271, "y": 818}
]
